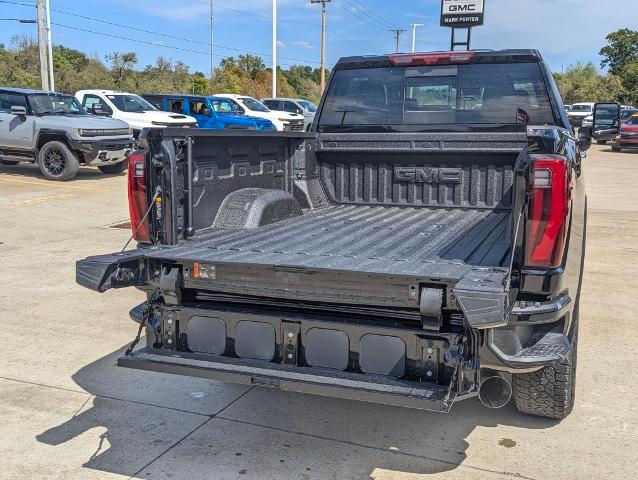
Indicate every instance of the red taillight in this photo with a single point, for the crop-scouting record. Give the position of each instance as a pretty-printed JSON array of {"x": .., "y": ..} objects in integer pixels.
[
  {"x": 432, "y": 58},
  {"x": 550, "y": 183},
  {"x": 137, "y": 196}
]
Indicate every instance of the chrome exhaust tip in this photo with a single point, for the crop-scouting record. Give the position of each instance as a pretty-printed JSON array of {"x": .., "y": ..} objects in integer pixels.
[{"x": 495, "y": 390}]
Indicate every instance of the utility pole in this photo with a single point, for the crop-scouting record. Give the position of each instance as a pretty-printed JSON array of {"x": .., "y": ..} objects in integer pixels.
[
  {"x": 414, "y": 27},
  {"x": 212, "y": 47},
  {"x": 397, "y": 33},
  {"x": 50, "y": 46},
  {"x": 274, "y": 48},
  {"x": 323, "y": 41},
  {"x": 42, "y": 45}
]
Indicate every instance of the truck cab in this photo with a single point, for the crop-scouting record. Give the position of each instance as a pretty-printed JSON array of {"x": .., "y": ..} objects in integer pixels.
[
  {"x": 210, "y": 112},
  {"x": 132, "y": 109}
]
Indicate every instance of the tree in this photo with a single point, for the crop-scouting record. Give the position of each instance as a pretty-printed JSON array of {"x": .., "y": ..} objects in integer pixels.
[
  {"x": 583, "y": 83},
  {"x": 622, "y": 49},
  {"x": 630, "y": 81},
  {"x": 200, "y": 83},
  {"x": 75, "y": 70},
  {"x": 251, "y": 64},
  {"x": 122, "y": 64}
]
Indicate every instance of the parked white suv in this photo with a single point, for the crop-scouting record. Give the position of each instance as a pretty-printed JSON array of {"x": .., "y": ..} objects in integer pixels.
[
  {"x": 132, "y": 109},
  {"x": 254, "y": 108}
]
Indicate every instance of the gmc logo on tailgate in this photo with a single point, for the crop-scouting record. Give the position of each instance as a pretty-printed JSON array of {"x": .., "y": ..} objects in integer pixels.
[{"x": 427, "y": 175}]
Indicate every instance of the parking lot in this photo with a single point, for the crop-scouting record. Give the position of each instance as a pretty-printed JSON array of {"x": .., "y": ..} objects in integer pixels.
[{"x": 68, "y": 412}]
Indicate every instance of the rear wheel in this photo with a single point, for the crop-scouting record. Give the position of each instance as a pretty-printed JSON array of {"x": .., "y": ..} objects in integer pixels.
[
  {"x": 548, "y": 392},
  {"x": 57, "y": 161},
  {"x": 601, "y": 142},
  {"x": 114, "y": 168},
  {"x": 615, "y": 149},
  {"x": 8, "y": 162}
]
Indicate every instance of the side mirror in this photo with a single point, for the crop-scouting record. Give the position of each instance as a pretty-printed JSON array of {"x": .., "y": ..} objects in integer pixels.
[
  {"x": 584, "y": 138},
  {"x": 19, "y": 111},
  {"x": 606, "y": 119},
  {"x": 98, "y": 109}
]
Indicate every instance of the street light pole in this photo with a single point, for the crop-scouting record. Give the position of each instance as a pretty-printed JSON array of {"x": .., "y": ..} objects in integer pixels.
[
  {"x": 212, "y": 47},
  {"x": 50, "y": 47},
  {"x": 414, "y": 27},
  {"x": 274, "y": 48}
]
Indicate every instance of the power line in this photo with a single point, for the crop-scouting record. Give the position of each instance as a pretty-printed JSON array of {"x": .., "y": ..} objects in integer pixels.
[
  {"x": 360, "y": 7},
  {"x": 154, "y": 44},
  {"x": 355, "y": 13},
  {"x": 21, "y": 20},
  {"x": 175, "y": 37},
  {"x": 288, "y": 20}
]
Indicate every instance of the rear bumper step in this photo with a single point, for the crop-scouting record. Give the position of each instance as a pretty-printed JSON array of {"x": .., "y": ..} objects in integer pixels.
[{"x": 317, "y": 381}]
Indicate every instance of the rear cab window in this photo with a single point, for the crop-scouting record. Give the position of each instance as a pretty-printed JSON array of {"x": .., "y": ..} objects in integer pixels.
[{"x": 466, "y": 94}]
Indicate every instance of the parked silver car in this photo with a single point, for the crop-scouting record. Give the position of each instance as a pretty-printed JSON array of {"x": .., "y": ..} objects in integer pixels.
[{"x": 54, "y": 131}]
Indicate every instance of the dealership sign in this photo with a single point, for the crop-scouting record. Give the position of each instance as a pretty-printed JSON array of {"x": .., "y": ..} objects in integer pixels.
[{"x": 462, "y": 13}]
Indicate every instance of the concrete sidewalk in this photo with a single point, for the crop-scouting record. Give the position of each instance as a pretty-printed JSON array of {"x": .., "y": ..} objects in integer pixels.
[{"x": 68, "y": 412}]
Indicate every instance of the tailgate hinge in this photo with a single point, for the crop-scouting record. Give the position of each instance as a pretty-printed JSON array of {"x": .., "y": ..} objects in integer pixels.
[
  {"x": 431, "y": 303},
  {"x": 170, "y": 280}
]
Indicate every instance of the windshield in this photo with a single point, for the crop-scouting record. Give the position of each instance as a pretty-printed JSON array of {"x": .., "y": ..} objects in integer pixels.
[
  {"x": 503, "y": 94},
  {"x": 311, "y": 107},
  {"x": 131, "y": 103},
  {"x": 55, "y": 104},
  {"x": 633, "y": 121},
  {"x": 254, "y": 105},
  {"x": 224, "y": 105},
  {"x": 582, "y": 108}
]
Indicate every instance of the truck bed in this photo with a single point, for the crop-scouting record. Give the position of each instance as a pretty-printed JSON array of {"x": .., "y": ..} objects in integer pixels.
[{"x": 420, "y": 242}]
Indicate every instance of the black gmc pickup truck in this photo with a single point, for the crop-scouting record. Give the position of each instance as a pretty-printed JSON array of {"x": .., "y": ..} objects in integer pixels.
[{"x": 423, "y": 244}]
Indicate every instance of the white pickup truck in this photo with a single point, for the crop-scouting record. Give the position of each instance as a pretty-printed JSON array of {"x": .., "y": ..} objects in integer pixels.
[{"x": 131, "y": 108}]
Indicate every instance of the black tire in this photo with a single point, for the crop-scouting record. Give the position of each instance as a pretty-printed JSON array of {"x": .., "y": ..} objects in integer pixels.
[
  {"x": 57, "y": 161},
  {"x": 601, "y": 142},
  {"x": 550, "y": 391},
  {"x": 8, "y": 162},
  {"x": 114, "y": 168},
  {"x": 615, "y": 149}
]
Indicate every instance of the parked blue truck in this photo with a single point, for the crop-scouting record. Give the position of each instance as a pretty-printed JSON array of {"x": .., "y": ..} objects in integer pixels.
[{"x": 210, "y": 112}]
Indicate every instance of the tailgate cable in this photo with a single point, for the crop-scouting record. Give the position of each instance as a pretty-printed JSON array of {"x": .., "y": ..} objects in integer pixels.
[
  {"x": 148, "y": 309},
  {"x": 158, "y": 192}
]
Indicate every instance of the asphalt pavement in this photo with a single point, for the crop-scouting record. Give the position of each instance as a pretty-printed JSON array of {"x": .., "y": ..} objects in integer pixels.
[{"x": 67, "y": 412}]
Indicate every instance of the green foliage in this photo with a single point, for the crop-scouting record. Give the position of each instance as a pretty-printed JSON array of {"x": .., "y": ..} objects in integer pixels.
[
  {"x": 629, "y": 77},
  {"x": 622, "y": 49},
  {"x": 583, "y": 83},
  {"x": 74, "y": 70}
]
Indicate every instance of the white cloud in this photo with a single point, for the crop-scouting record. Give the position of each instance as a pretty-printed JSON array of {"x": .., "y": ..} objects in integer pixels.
[
  {"x": 281, "y": 44},
  {"x": 303, "y": 44},
  {"x": 563, "y": 30}
]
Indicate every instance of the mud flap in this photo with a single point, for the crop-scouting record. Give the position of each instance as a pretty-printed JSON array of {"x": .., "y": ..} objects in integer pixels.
[{"x": 116, "y": 270}]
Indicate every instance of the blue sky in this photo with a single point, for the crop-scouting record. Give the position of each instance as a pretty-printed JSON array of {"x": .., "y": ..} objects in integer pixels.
[{"x": 565, "y": 31}]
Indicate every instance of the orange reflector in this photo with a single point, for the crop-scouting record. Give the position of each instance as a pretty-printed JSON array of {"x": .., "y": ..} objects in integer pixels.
[{"x": 195, "y": 270}]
